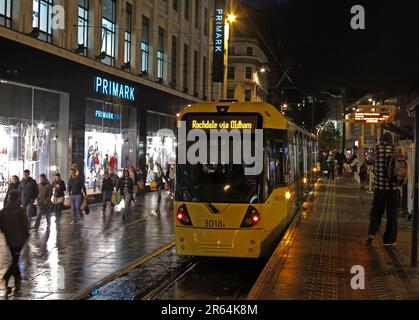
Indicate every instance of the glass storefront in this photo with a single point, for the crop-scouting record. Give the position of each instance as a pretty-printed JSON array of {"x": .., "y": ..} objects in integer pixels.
[
  {"x": 33, "y": 131},
  {"x": 110, "y": 140},
  {"x": 161, "y": 143}
]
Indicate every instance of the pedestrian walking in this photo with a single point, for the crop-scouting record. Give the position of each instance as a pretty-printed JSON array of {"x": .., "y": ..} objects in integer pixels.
[
  {"x": 386, "y": 195},
  {"x": 340, "y": 159},
  {"x": 14, "y": 225},
  {"x": 14, "y": 185},
  {"x": 172, "y": 178},
  {"x": 107, "y": 189},
  {"x": 76, "y": 190},
  {"x": 125, "y": 189},
  {"x": 330, "y": 166},
  {"x": 159, "y": 181},
  {"x": 28, "y": 189},
  {"x": 59, "y": 193},
  {"x": 43, "y": 201}
]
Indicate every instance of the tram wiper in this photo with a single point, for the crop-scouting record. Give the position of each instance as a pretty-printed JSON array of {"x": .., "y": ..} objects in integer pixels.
[{"x": 213, "y": 209}]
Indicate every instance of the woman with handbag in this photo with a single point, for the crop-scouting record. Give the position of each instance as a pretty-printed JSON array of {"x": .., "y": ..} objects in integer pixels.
[
  {"x": 125, "y": 189},
  {"x": 59, "y": 189}
]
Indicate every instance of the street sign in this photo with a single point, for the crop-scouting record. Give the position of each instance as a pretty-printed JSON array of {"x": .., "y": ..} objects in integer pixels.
[{"x": 219, "y": 41}]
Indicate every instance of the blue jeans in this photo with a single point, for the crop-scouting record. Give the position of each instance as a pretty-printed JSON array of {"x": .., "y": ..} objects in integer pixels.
[
  {"x": 75, "y": 205},
  {"x": 107, "y": 196},
  {"x": 28, "y": 209},
  {"x": 40, "y": 212},
  {"x": 127, "y": 200}
]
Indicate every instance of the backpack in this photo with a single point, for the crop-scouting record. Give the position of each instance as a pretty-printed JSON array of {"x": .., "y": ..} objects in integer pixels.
[{"x": 396, "y": 169}]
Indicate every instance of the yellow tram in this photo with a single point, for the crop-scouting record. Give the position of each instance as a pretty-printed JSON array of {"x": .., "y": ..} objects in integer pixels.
[{"x": 222, "y": 211}]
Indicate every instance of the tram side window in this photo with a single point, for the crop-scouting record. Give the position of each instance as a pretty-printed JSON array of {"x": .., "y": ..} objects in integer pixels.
[{"x": 276, "y": 164}]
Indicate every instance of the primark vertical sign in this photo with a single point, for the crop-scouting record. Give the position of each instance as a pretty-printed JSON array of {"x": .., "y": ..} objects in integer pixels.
[{"x": 219, "y": 41}]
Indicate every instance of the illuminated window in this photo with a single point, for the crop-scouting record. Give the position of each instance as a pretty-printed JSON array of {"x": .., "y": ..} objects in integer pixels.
[
  {"x": 145, "y": 44},
  {"x": 108, "y": 31},
  {"x": 83, "y": 22},
  {"x": 41, "y": 19},
  {"x": 6, "y": 13},
  {"x": 160, "y": 54},
  {"x": 128, "y": 34}
]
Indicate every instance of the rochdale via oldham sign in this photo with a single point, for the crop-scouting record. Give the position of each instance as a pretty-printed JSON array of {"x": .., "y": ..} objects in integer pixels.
[
  {"x": 114, "y": 89},
  {"x": 219, "y": 41}
]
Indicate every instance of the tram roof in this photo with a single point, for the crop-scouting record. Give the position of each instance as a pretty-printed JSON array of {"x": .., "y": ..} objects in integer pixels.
[{"x": 272, "y": 118}]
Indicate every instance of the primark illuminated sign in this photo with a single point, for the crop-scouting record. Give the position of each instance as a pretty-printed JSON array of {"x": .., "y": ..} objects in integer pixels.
[
  {"x": 219, "y": 41},
  {"x": 114, "y": 89}
]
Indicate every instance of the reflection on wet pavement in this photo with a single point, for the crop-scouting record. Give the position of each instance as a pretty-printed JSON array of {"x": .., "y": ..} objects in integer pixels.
[{"x": 59, "y": 262}]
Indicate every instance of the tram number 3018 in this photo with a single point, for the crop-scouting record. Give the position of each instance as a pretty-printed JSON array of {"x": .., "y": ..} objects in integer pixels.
[{"x": 213, "y": 224}]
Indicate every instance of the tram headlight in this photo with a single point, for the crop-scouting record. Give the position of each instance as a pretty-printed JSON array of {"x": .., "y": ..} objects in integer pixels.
[
  {"x": 251, "y": 218},
  {"x": 183, "y": 217},
  {"x": 288, "y": 195}
]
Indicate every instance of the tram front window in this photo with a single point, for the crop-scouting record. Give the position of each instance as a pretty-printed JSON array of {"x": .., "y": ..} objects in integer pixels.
[{"x": 216, "y": 184}]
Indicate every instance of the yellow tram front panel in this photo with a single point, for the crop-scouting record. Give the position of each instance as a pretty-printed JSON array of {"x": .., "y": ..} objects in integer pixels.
[{"x": 221, "y": 234}]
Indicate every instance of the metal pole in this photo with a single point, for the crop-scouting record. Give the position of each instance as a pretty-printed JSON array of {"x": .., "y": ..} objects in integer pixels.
[{"x": 414, "y": 257}]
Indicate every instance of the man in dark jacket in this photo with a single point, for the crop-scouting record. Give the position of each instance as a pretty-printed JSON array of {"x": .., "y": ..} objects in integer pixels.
[
  {"x": 107, "y": 189},
  {"x": 14, "y": 225},
  {"x": 28, "y": 190},
  {"x": 43, "y": 201},
  {"x": 76, "y": 189}
]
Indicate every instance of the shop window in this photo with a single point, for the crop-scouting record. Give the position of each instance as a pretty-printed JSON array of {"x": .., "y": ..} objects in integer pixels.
[
  {"x": 34, "y": 133},
  {"x": 145, "y": 45},
  {"x": 41, "y": 19},
  {"x": 110, "y": 140},
  {"x": 108, "y": 31},
  {"x": 128, "y": 34},
  {"x": 83, "y": 26},
  {"x": 161, "y": 145},
  {"x": 160, "y": 54},
  {"x": 6, "y": 13}
]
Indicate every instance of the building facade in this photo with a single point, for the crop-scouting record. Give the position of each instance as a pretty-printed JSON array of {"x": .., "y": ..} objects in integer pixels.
[
  {"x": 92, "y": 82},
  {"x": 247, "y": 70}
]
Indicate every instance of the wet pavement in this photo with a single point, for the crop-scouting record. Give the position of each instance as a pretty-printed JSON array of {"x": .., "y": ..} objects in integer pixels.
[
  {"x": 58, "y": 263},
  {"x": 315, "y": 258}
]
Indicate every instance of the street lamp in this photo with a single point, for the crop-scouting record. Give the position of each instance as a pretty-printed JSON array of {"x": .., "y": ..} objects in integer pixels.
[{"x": 231, "y": 18}]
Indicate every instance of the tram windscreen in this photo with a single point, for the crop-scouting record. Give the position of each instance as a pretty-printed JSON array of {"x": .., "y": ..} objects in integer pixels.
[{"x": 218, "y": 183}]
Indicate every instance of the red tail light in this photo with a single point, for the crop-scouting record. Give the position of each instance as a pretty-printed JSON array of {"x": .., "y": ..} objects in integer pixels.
[
  {"x": 183, "y": 216},
  {"x": 251, "y": 218}
]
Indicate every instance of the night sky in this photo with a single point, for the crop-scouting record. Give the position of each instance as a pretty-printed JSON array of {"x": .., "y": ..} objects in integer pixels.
[{"x": 316, "y": 35}]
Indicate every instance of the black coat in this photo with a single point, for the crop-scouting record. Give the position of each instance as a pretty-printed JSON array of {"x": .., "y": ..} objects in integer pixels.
[
  {"x": 28, "y": 189},
  {"x": 107, "y": 184},
  {"x": 121, "y": 185},
  {"x": 59, "y": 192},
  {"x": 12, "y": 186},
  {"x": 14, "y": 224}
]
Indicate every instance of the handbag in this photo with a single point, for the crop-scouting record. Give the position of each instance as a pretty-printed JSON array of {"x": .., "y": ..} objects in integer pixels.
[
  {"x": 67, "y": 203},
  {"x": 85, "y": 204},
  {"x": 153, "y": 185},
  {"x": 58, "y": 200}
]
